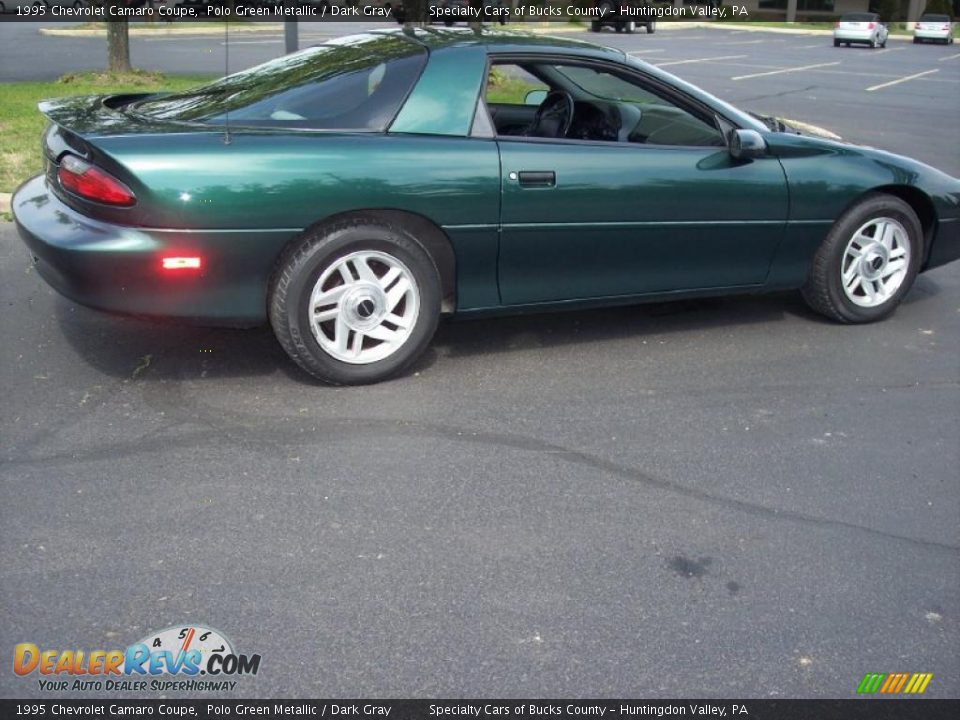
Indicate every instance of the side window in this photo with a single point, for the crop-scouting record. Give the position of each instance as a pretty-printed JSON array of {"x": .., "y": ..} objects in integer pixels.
[
  {"x": 586, "y": 102},
  {"x": 510, "y": 84}
]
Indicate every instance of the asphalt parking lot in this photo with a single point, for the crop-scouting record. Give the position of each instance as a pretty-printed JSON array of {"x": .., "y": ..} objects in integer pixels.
[{"x": 729, "y": 497}]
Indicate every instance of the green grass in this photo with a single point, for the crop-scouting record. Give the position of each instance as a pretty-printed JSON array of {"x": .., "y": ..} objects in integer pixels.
[
  {"x": 502, "y": 88},
  {"x": 21, "y": 124}
]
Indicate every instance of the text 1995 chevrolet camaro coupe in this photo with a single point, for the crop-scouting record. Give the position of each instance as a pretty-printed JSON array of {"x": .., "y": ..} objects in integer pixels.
[{"x": 354, "y": 192}]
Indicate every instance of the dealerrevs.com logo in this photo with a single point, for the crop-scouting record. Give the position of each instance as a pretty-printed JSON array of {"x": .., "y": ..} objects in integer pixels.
[{"x": 183, "y": 657}]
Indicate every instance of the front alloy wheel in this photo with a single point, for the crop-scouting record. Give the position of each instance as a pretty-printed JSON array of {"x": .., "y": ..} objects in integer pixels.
[
  {"x": 868, "y": 261},
  {"x": 875, "y": 262}
]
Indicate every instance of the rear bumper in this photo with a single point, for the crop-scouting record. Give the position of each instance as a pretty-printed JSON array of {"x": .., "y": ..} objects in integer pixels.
[
  {"x": 119, "y": 269},
  {"x": 857, "y": 36},
  {"x": 946, "y": 244},
  {"x": 932, "y": 34}
]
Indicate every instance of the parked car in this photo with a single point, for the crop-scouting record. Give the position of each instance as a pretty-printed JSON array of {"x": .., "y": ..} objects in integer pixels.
[
  {"x": 613, "y": 15},
  {"x": 937, "y": 28},
  {"x": 864, "y": 28},
  {"x": 352, "y": 193}
]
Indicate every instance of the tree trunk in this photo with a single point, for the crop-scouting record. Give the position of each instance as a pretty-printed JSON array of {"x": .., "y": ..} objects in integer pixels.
[
  {"x": 118, "y": 47},
  {"x": 416, "y": 13},
  {"x": 477, "y": 6}
]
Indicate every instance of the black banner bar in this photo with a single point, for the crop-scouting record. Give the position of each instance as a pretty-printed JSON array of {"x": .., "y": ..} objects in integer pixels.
[
  {"x": 443, "y": 12},
  {"x": 504, "y": 709}
]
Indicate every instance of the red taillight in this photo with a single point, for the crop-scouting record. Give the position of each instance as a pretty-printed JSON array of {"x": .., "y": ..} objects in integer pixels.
[
  {"x": 91, "y": 183},
  {"x": 182, "y": 263},
  {"x": 837, "y": 24},
  {"x": 871, "y": 26}
]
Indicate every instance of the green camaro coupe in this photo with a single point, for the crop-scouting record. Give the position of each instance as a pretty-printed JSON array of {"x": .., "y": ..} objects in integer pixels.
[{"x": 354, "y": 192}]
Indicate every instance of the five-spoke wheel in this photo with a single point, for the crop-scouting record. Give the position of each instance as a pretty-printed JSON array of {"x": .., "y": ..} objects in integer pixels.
[
  {"x": 867, "y": 262},
  {"x": 355, "y": 302},
  {"x": 364, "y": 306},
  {"x": 875, "y": 262}
]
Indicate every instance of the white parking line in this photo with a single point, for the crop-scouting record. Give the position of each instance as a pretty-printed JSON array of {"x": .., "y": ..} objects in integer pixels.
[
  {"x": 784, "y": 70},
  {"x": 901, "y": 80},
  {"x": 644, "y": 52},
  {"x": 749, "y": 42},
  {"x": 881, "y": 52},
  {"x": 818, "y": 45},
  {"x": 950, "y": 57},
  {"x": 700, "y": 60},
  {"x": 254, "y": 42}
]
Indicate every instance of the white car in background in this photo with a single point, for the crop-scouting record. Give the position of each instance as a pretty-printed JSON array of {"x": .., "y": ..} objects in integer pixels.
[
  {"x": 933, "y": 27},
  {"x": 863, "y": 28}
]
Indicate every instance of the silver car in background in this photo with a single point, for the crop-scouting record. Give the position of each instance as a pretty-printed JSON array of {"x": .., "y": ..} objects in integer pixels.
[
  {"x": 933, "y": 27},
  {"x": 864, "y": 28}
]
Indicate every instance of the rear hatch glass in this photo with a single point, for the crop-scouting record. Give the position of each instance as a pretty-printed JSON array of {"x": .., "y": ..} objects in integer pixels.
[{"x": 355, "y": 85}]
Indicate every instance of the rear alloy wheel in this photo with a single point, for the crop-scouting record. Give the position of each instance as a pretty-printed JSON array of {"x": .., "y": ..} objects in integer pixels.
[
  {"x": 355, "y": 303},
  {"x": 868, "y": 261}
]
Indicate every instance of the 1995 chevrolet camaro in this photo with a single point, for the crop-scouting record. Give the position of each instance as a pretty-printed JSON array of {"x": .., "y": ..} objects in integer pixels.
[{"x": 354, "y": 192}]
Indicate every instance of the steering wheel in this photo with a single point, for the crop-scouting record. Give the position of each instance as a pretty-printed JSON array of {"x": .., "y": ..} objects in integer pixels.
[{"x": 554, "y": 116}]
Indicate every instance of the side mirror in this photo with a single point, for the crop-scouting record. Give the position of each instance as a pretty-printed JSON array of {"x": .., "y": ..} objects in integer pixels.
[
  {"x": 747, "y": 144},
  {"x": 535, "y": 97}
]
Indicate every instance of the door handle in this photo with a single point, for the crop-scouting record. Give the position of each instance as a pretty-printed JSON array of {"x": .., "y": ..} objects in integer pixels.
[{"x": 537, "y": 178}]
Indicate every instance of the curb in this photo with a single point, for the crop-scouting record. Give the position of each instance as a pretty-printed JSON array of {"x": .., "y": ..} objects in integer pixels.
[{"x": 5, "y": 202}]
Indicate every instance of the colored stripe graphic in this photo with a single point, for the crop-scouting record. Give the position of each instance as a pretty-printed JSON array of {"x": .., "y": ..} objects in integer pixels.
[
  {"x": 870, "y": 683},
  {"x": 894, "y": 683}
]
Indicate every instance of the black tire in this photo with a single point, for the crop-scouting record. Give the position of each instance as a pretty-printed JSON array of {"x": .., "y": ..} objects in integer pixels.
[
  {"x": 651, "y": 27},
  {"x": 630, "y": 27},
  {"x": 299, "y": 269},
  {"x": 823, "y": 290},
  {"x": 916, "y": 41},
  {"x": 836, "y": 43},
  {"x": 595, "y": 26},
  {"x": 618, "y": 27}
]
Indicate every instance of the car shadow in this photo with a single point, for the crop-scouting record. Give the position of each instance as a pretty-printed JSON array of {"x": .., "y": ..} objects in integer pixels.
[
  {"x": 490, "y": 336},
  {"x": 156, "y": 349}
]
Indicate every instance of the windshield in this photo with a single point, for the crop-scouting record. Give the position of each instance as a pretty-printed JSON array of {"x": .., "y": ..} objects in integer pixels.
[
  {"x": 354, "y": 85},
  {"x": 605, "y": 85}
]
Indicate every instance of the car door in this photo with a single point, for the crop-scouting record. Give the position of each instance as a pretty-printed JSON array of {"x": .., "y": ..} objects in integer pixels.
[{"x": 584, "y": 219}]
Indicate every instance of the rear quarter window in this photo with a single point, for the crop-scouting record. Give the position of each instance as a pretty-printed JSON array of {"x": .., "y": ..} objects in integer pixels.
[{"x": 358, "y": 85}]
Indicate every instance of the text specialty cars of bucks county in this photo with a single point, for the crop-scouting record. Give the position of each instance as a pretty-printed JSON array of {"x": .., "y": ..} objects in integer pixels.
[{"x": 353, "y": 193}]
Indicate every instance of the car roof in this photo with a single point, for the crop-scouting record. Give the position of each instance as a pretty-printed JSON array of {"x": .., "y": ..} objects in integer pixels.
[{"x": 501, "y": 41}]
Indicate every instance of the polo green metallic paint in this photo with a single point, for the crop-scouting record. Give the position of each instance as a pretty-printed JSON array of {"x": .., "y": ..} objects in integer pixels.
[{"x": 618, "y": 222}]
